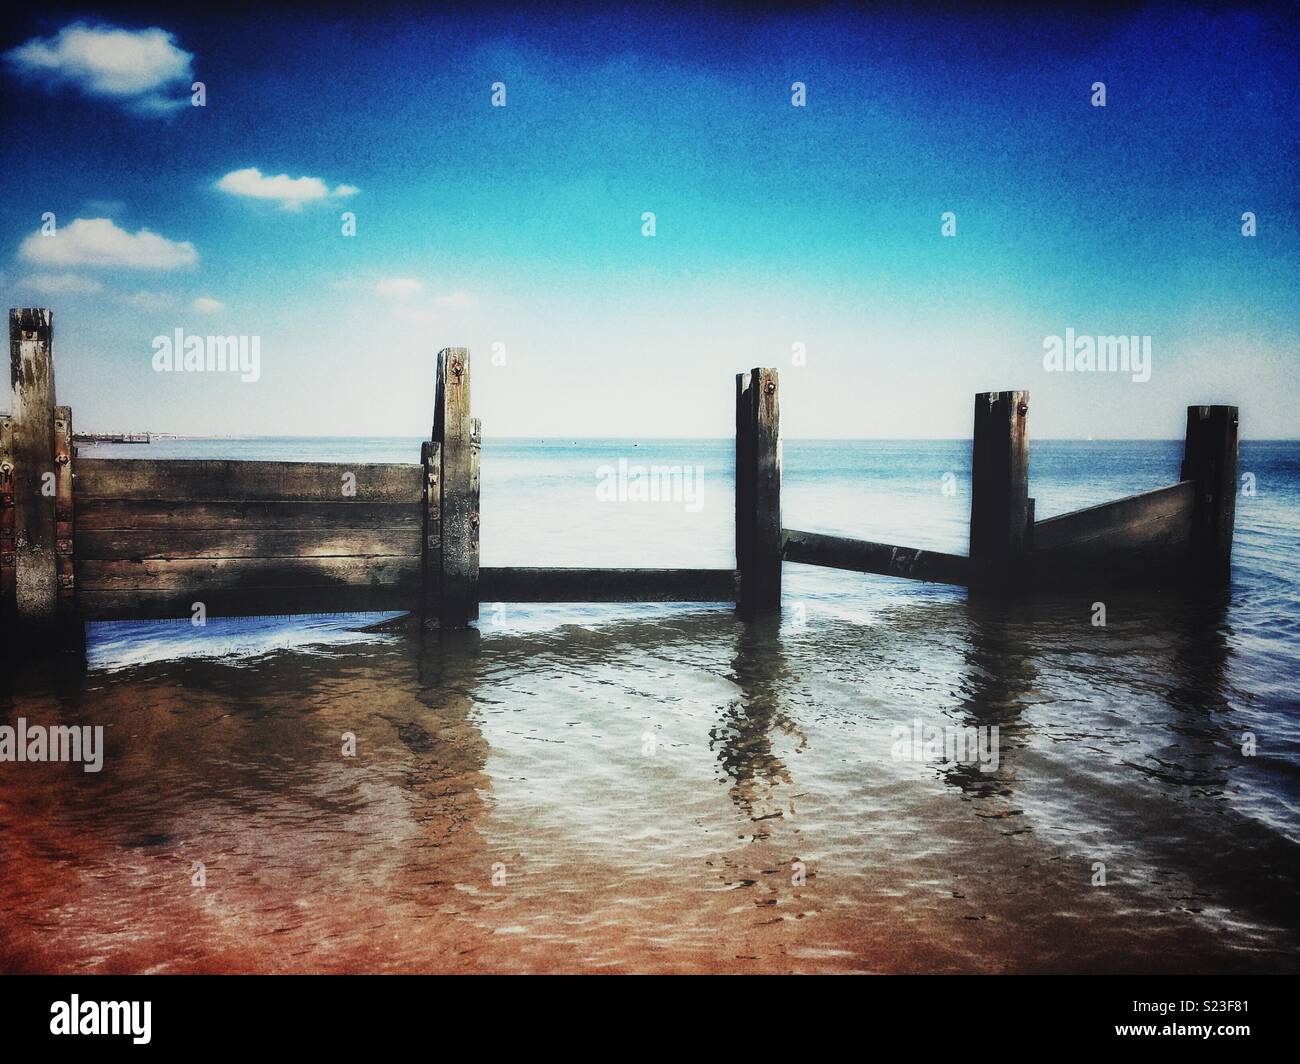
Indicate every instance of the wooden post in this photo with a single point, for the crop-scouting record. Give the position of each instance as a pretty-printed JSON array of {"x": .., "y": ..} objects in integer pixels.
[
  {"x": 999, "y": 512},
  {"x": 456, "y": 431},
  {"x": 71, "y": 632},
  {"x": 758, "y": 490},
  {"x": 1210, "y": 460},
  {"x": 744, "y": 478},
  {"x": 31, "y": 363},
  {"x": 431, "y": 545},
  {"x": 475, "y": 459},
  {"x": 8, "y": 601}
]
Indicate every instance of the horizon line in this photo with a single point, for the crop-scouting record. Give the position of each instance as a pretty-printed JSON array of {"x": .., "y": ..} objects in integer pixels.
[{"x": 575, "y": 438}]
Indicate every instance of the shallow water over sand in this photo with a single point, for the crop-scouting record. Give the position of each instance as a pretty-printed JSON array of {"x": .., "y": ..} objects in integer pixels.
[
  {"x": 527, "y": 756},
  {"x": 639, "y": 788}
]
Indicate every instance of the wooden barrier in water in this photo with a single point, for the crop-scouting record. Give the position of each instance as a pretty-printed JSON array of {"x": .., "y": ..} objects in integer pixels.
[
  {"x": 115, "y": 539},
  {"x": 1174, "y": 535}
]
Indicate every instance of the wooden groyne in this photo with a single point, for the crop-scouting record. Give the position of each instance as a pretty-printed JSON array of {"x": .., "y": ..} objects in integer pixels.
[{"x": 115, "y": 539}]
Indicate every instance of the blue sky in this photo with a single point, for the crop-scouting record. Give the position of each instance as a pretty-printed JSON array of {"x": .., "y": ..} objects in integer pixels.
[{"x": 776, "y": 225}]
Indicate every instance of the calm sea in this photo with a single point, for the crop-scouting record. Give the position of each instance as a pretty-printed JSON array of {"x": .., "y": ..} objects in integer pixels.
[{"x": 668, "y": 788}]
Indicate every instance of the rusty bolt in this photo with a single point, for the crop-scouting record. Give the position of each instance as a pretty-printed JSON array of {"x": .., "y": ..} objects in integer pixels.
[
  {"x": 1022, "y": 409},
  {"x": 769, "y": 388},
  {"x": 61, "y": 459}
]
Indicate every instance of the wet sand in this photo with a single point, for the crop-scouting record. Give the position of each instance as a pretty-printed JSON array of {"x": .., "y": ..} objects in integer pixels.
[{"x": 507, "y": 811}]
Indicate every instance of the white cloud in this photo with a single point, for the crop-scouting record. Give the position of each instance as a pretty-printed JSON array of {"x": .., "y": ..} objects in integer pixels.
[
  {"x": 60, "y": 284},
  {"x": 135, "y": 67},
  {"x": 289, "y": 192},
  {"x": 398, "y": 287},
  {"x": 99, "y": 242},
  {"x": 207, "y": 305}
]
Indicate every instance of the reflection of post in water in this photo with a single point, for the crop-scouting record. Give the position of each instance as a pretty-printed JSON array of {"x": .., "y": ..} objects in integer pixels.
[
  {"x": 1198, "y": 627},
  {"x": 437, "y": 728},
  {"x": 1190, "y": 630},
  {"x": 742, "y": 737},
  {"x": 448, "y": 662},
  {"x": 999, "y": 674}
]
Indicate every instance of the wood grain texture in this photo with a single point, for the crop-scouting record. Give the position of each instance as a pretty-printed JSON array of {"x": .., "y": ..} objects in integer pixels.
[
  {"x": 200, "y": 574},
  {"x": 1210, "y": 460},
  {"x": 71, "y": 632},
  {"x": 999, "y": 519},
  {"x": 863, "y": 556},
  {"x": 31, "y": 364},
  {"x": 744, "y": 485},
  {"x": 204, "y": 480},
  {"x": 758, "y": 490},
  {"x": 1160, "y": 516},
  {"x": 431, "y": 539},
  {"x": 121, "y": 544},
  {"x": 8, "y": 590},
  {"x": 455, "y": 429},
  {"x": 169, "y": 515}
]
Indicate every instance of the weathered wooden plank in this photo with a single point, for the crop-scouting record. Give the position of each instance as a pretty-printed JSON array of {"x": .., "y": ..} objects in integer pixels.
[
  {"x": 31, "y": 364},
  {"x": 999, "y": 517},
  {"x": 1210, "y": 460},
  {"x": 1160, "y": 516},
  {"x": 105, "y": 605},
  {"x": 8, "y": 590},
  {"x": 514, "y": 584},
  {"x": 110, "y": 544},
  {"x": 153, "y": 479},
  {"x": 431, "y": 541},
  {"x": 181, "y": 514},
  {"x": 455, "y": 429},
  {"x": 200, "y": 574},
  {"x": 863, "y": 556},
  {"x": 1139, "y": 541},
  {"x": 758, "y": 491}
]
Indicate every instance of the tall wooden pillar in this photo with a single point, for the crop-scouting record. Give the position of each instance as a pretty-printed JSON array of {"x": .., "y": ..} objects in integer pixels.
[
  {"x": 1000, "y": 510},
  {"x": 31, "y": 363},
  {"x": 759, "y": 536},
  {"x": 459, "y": 436},
  {"x": 1210, "y": 459}
]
